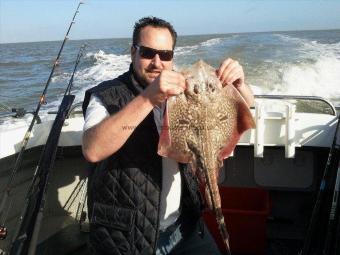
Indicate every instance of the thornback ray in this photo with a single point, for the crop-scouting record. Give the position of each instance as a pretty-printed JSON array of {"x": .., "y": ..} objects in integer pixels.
[{"x": 202, "y": 127}]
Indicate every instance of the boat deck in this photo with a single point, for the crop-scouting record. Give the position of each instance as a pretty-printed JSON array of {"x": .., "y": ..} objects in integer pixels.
[{"x": 60, "y": 232}]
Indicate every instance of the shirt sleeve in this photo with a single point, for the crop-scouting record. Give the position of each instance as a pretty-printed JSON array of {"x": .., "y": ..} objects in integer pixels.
[{"x": 95, "y": 113}]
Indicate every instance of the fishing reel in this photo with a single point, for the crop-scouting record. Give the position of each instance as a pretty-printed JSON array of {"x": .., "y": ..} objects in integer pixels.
[{"x": 3, "y": 233}]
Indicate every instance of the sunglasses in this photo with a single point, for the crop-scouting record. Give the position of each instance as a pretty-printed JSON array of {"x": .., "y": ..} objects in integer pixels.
[{"x": 150, "y": 53}]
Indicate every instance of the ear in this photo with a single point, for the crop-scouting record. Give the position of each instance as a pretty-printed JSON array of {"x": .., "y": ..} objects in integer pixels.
[{"x": 132, "y": 52}]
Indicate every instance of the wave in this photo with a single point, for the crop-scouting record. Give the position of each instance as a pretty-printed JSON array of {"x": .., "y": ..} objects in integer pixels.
[
  {"x": 105, "y": 67},
  {"x": 298, "y": 66},
  {"x": 290, "y": 39},
  {"x": 312, "y": 47},
  {"x": 18, "y": 63},
  {"x": 204, "y": 46},
  {"x": 320, "y": 78},
  {"x": 315, "y": 75},
  {"x": 211, "y": 42},
  {"x": 185, "y": 50}
]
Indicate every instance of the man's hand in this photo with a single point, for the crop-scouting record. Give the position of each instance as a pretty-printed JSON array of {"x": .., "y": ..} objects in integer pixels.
[
  {"x": 231, "y": 72},
  {"x": 167, "y": 84}
]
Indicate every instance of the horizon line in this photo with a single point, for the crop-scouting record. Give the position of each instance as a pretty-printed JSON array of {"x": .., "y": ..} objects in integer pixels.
[{"x": 180, "y": 35}]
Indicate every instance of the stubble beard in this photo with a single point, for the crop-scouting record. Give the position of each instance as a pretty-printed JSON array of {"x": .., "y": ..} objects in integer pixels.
[{"x": 149, "y": 76}]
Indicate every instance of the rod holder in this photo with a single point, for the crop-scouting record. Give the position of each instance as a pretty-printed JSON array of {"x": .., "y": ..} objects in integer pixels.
[
  {"x": 290, "y": 131},
  {"x": 259, "y": 131}
]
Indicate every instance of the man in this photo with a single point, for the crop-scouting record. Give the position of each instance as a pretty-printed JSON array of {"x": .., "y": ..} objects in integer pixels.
[{"x": 139, "y": 202}]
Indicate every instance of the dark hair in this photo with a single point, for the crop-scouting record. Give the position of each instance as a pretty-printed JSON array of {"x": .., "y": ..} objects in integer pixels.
[{"x": 154, "y": 22}]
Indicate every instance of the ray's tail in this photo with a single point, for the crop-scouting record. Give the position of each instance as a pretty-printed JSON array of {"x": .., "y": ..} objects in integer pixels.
[
  {"x": 223, "y": 228},
  {"x": 214, "y": 202}
]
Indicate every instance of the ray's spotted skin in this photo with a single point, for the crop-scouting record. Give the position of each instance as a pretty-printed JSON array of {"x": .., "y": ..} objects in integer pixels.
[{"x": 202, "y": 126}]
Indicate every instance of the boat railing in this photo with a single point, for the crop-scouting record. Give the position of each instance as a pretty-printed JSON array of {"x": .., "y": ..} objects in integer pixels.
[
  {"x": 337, "y": 108},
  {"x": 17, "y": 113},
  {"x": 73, "y": 110},
  {"x": 309, "y": 104},
  {"x": 328, "y": 109}
]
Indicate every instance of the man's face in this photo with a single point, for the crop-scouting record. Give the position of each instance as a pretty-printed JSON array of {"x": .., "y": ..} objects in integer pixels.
[{"x": 147, "y": 70}]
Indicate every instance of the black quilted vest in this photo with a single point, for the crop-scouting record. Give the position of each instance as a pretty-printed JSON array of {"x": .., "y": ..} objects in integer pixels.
[{"x": 124, "y": 190}]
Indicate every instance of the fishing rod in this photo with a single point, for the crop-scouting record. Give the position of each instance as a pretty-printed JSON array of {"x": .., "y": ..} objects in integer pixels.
[
  {"x": 326, "y": 184},
  {"x": 334, "y": 211},
  {"x": 336, "y": 249},
  {"x": 26, "y": 236},
  {"x": 333, "y": 235},
  {"x": 42, "y": 99}
]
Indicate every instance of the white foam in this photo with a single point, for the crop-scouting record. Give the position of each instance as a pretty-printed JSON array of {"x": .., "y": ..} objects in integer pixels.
[
  {"x": 314, "y": 73},
  {"x": 106, "y": 66},
  {"x": 319, "y": 79},
  {"x": 189, "y": 50},
  {"x": 61, "y": 77},
  {"x": 185, "y": 50},
  {"x": 211, "y": 42},
  {"x": 290, "y": 39}
]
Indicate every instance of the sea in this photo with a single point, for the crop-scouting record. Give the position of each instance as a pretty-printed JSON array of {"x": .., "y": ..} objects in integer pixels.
[{"x": 304, "y": 63}]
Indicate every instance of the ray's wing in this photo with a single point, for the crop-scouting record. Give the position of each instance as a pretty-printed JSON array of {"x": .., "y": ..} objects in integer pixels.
[
  {"x": 243, "y": 119},
  {"x": 176, "y": 130}
]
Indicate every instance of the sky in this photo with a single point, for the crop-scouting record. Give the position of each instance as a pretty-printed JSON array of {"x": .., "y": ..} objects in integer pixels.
[{"x": 48, "y": 20}]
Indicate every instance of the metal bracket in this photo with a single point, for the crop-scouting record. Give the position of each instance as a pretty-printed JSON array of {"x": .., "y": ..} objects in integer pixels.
[{"x": 289, "y": 125}]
